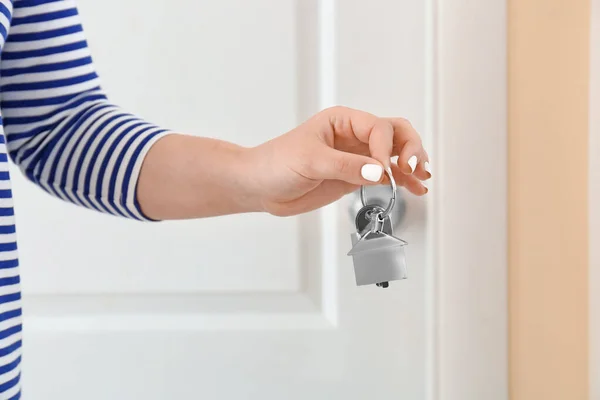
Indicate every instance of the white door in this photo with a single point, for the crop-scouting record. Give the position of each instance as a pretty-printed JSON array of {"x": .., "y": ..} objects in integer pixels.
[{"x": 259, "y": 307}]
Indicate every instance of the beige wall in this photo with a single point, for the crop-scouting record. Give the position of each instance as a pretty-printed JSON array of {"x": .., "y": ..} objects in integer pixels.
[{"x": 548, "y": 137}]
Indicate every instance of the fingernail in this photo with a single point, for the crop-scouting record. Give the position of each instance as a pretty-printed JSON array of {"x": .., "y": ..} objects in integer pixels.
[
  {"x": 371, "y": 172},
  {"x": 412, "y": 163},
  {"x": 427, "y": 167}
]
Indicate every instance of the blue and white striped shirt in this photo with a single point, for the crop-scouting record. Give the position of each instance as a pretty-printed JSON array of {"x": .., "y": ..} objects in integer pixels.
[{"x": 65, "y": 136}]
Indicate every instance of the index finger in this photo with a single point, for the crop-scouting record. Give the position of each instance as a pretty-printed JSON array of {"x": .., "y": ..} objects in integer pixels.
[
  {"x": 409, "y": 147},
  {"x": 381, "y": 142},
  {"x": 366, "y": 128}
]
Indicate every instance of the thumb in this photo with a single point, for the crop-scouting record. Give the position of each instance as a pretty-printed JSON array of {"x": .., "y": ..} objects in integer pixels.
[{"x": 348, "y": 167}]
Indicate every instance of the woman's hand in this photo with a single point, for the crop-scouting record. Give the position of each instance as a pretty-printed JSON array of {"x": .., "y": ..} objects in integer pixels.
[
  {"x": 331, "y": 155},
  {"x": 328, "y": 156}
]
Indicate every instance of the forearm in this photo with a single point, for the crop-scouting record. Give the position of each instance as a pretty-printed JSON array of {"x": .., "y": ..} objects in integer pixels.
[{"x": 191, "y": 177}]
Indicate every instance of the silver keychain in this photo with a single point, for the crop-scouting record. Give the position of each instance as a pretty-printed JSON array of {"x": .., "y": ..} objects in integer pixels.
[{"x": 378, "y": 255}]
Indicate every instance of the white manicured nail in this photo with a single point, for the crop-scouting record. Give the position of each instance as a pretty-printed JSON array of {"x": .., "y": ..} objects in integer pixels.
[
  {"x": 412, "y": 163},
  {"x": 427, "y": 167},
  {"x": 371, "y": 172}
]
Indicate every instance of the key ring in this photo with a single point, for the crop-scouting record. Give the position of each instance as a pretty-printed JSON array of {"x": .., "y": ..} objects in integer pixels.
[{"x": 390, "y": 207}]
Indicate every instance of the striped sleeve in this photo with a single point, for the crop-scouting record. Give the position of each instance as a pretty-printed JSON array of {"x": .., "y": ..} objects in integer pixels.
[{"x": 61, "y": 130}]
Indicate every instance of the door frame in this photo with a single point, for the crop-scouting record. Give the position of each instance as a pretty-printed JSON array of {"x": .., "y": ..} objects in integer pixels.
[
  {"x": 467, "y": 106},
  {"x": 593, "y": 200}
]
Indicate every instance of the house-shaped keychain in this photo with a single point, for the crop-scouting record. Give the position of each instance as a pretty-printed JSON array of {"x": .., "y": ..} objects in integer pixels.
[{"x": 378, "y": 258}]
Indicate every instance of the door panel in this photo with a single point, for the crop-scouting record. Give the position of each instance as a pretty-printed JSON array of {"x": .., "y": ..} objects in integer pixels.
[{"x": 245, "y": 306}]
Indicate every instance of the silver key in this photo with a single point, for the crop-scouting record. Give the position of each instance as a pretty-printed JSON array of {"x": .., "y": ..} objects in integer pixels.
[{"x": 364, "y": 219}]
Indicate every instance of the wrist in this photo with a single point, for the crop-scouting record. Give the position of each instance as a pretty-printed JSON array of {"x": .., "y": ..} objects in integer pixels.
[{"x": 244, "y": 178}]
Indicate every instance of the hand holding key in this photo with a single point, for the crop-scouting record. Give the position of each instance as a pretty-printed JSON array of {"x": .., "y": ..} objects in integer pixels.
[{"x": 332, "y": 154}]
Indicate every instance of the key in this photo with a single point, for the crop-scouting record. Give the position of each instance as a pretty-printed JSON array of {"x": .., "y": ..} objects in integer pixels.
[{"x": 364, "y": 220}]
